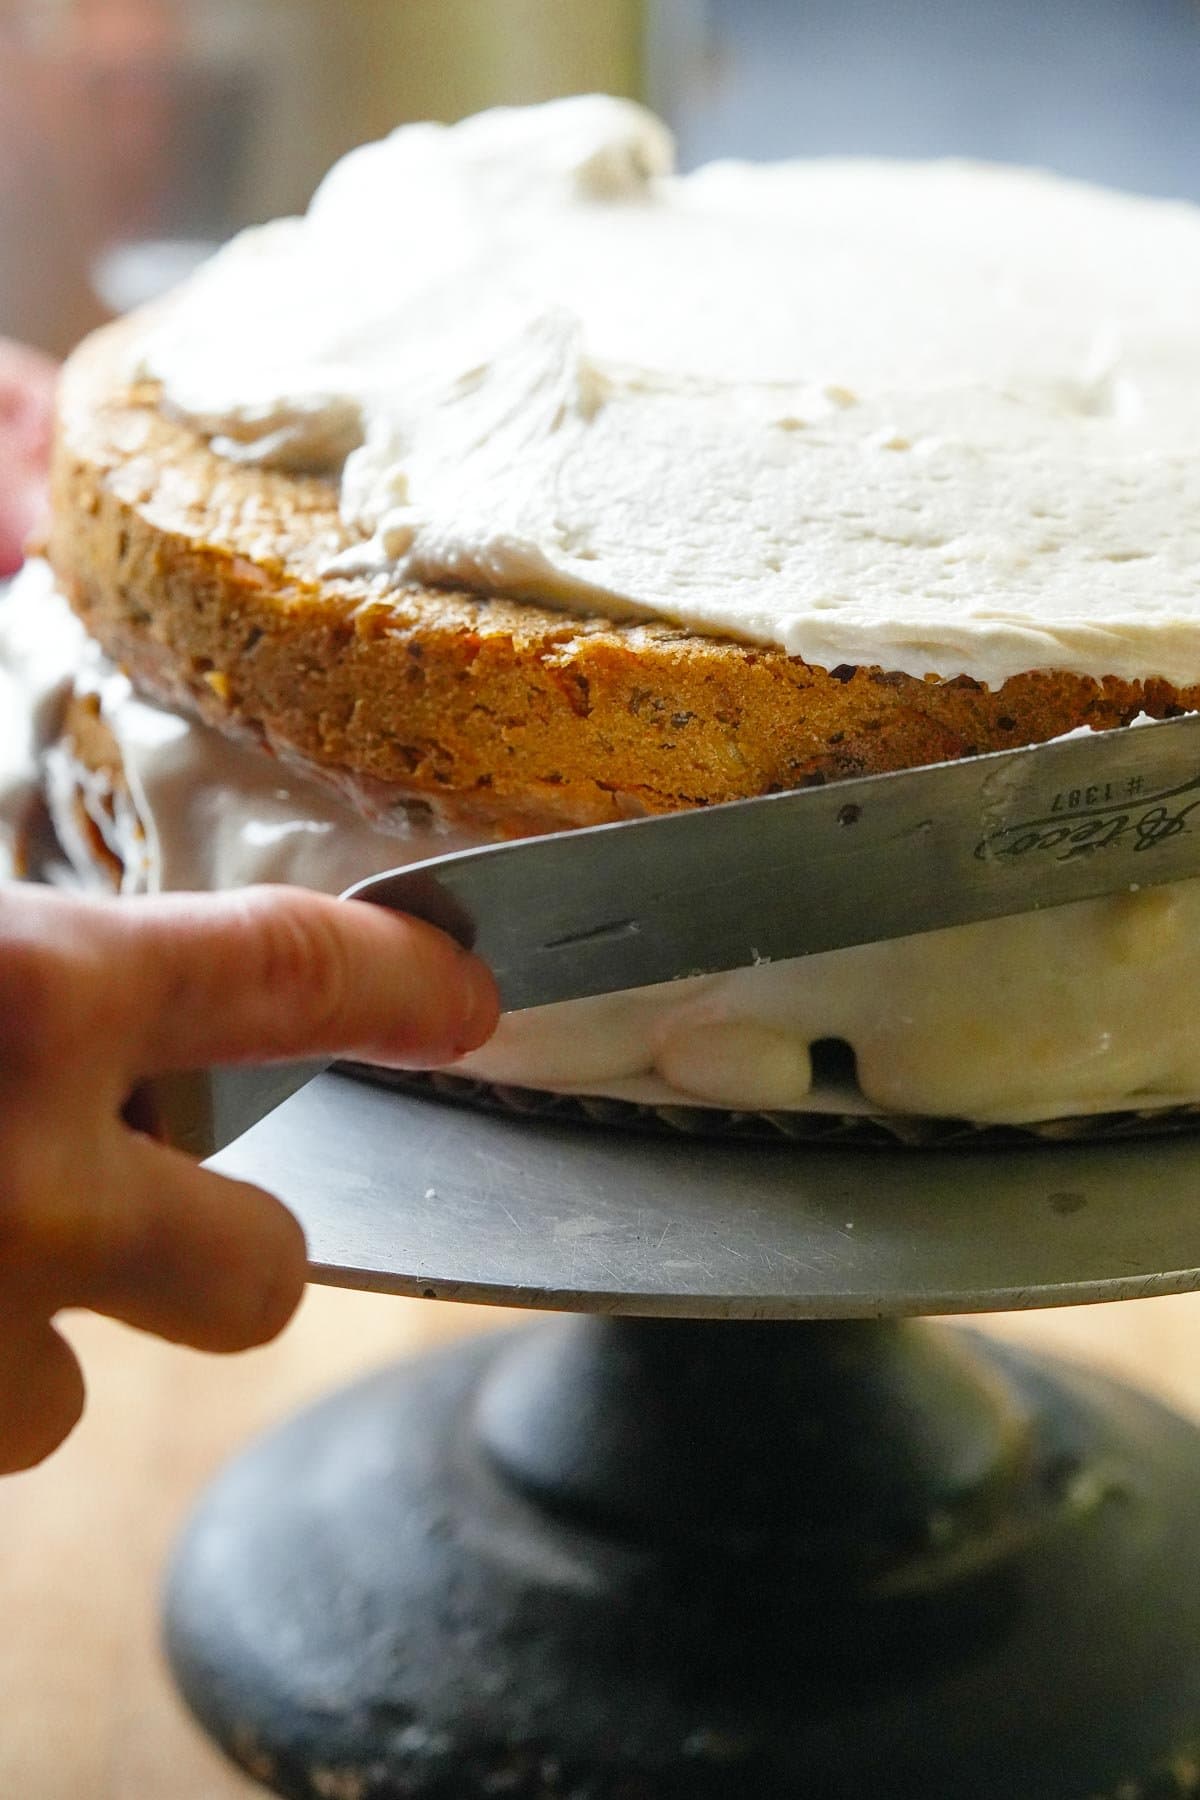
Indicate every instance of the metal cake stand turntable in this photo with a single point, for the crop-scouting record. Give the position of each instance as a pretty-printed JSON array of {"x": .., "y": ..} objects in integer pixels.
[{"x": 737, "y": 1527}]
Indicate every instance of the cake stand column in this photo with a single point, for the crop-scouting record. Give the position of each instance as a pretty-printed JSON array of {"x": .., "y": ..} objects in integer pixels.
[{"x": 661, "y": 1560}]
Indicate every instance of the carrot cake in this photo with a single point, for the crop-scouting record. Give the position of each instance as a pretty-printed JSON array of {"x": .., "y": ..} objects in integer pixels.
[{"x": 524, "y": 484}]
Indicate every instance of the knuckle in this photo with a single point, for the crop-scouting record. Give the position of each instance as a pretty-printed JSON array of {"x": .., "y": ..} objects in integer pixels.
[
  {"x": 27, "y": 1189},
  {"x": 49, "y": 1236},
  {"x": 303, "y": 961},
  {"x": 39, "y": 1010}
]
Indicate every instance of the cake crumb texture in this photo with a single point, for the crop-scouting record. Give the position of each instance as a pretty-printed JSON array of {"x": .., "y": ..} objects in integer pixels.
[{"x": 205, "y": 580}]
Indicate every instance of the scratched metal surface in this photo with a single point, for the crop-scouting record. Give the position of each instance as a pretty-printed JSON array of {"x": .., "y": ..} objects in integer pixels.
[{"x": 413, "y": 1196}]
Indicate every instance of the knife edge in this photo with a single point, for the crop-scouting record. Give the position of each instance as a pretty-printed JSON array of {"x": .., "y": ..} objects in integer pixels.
[{"x": 637, "y": 902}]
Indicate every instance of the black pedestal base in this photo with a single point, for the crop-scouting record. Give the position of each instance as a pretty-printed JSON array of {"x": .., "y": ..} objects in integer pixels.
[{"x": 659, "y": 1561}]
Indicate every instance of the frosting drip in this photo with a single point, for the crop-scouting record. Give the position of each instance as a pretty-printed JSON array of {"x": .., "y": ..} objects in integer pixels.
[{"x": 933, "y": 417}]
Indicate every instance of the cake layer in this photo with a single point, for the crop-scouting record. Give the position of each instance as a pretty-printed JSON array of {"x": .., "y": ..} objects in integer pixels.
[
  {"x": 1083, "y": 1009},
  {"x": 145, "y": 800},
  {"x": 207, "y": 580},
  {"x": 934, "y": 418},
  {"x": 595, "y": 491}
]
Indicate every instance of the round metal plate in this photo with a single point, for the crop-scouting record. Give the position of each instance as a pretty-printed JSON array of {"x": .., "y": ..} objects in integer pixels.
[{"x": 421, "y": 1197}]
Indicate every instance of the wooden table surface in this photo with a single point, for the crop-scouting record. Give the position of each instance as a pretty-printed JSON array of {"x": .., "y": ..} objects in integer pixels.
[{"x": 88, "y": 1711}]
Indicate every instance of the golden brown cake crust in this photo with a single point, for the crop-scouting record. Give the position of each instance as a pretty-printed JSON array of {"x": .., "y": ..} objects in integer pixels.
[{"x": 203, "y": 579}]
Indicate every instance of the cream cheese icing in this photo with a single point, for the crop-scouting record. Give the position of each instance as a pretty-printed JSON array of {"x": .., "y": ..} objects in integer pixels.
[
  {"x": 42, "y": 646},
  {"x": 1081, "y": 1009},
  {"x": 937, "y": 417}
]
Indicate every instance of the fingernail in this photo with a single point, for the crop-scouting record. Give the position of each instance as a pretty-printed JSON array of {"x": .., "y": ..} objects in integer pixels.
[{"x": 481, "y": 1008}]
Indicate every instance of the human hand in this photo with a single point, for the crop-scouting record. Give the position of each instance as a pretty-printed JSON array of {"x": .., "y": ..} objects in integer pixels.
[{"x": 99, "y": 995}]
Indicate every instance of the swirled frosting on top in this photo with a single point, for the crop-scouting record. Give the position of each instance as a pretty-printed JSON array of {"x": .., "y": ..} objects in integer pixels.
[{"x": 938, "y": 417}]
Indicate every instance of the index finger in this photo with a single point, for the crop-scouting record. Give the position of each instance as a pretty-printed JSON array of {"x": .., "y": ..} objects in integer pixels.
[{"x": 276, "y": 973}]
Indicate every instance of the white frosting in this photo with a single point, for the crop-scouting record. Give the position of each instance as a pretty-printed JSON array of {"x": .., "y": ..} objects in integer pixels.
[
  {"x": 1075, "y": 1010},
  {"x": 936, "y": 417},
  {"x": 41, "y": 648},
  {"x": 1082, "y": 1009}
]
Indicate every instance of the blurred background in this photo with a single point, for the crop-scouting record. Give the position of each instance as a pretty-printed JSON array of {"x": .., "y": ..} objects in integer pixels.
[{"x": 137, "y": 134}]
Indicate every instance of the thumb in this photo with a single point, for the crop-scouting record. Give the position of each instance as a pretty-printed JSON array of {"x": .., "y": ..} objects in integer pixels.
[{"x": 273, "y": 973}]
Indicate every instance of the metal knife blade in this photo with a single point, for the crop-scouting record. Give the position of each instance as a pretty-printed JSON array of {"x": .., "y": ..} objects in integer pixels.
[
  {"x": 650, "y": 900},
  {"x": 626, "y": 905}
]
